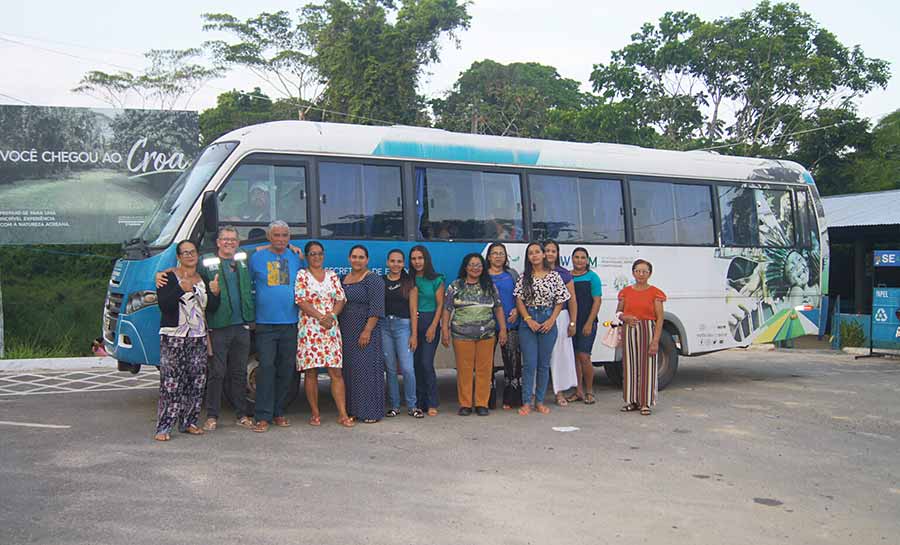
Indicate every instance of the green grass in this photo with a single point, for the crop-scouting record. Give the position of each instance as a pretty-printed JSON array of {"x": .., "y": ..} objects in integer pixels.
[
  {"x": 52, "y": 302},
  {"x": 22, "y": 349}
]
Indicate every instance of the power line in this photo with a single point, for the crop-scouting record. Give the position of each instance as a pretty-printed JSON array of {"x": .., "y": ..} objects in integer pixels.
[
  {"x": 16, "y": 99},
  {"x": 209, "y": 85},
  {"x": 782, "y": 137},
  {"x": 79, "y": 46}
]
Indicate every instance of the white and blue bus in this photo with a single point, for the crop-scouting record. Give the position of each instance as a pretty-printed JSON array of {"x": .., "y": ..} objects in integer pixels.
[{"x": 738, "y": 244}]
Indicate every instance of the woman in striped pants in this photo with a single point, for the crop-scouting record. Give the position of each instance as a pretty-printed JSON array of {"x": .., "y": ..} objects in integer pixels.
[{"x": 641, "y": 306}]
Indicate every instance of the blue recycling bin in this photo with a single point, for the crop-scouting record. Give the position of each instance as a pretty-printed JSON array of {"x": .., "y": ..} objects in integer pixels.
[{"x": 885, "y": 331}]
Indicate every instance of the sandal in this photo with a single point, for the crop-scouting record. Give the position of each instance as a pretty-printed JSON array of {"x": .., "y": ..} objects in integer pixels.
[
  {"x": 315, "y": 421},
  {"x": 162, "y": 437},
  {"x": 346, "y": 422},
  {"x": 392, "y": 413},
  {"x": 416, "y": 413},
  {"x": 541, "y": 408},
  {"x": 370, "y": 421},
  {"x": 193, "y": 430},
  {"x": 589, "y": 399},
  {"x": 432, "y": 412},
  {"x": 506, "y": 407},
  {"x": 645, "y": 411},
  {"x": 261, "y": 427},
  {"x": 281, "y": 422},
  {"x": 628, "y": 408},
  {"x": 561, "y": 400},
  {"x": 211, "y": 424},
  {"x": 574, "y": 397},
  {"x": 524, "y": 410},
  {"x": 245, "y": 422}
]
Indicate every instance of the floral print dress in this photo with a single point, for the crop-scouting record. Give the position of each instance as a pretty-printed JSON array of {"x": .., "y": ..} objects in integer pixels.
[{"x": 317, "y": 346}]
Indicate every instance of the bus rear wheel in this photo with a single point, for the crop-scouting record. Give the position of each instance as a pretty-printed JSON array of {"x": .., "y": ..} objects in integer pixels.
[
  {"x": 666, "y": 363},
  {"x": 666, "y": 360}
]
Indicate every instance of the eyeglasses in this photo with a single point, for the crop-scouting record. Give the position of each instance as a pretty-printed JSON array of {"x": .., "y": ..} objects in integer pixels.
[
  {"x": 475, "y": 265},
  {"x": 228, "y": 239},
  {"x": 188, "y": 253},
  {"x": 315, "y": 254}
]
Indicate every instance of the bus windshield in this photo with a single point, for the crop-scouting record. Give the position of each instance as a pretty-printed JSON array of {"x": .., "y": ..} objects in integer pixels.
[{"x": 162, "y": 224}]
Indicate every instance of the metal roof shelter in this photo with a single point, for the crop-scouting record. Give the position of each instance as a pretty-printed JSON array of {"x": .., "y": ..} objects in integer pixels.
[{"x": 858, "y": 224}]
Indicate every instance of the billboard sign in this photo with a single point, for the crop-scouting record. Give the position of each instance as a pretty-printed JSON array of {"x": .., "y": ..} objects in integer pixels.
[{"x": 87, "y": 175}]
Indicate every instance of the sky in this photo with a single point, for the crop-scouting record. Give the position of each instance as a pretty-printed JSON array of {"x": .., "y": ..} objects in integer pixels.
[{"x": 46, "y": 46}]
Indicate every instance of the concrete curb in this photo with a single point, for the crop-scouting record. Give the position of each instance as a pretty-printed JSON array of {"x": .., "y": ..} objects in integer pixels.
[{"x": 56, "y": 364}]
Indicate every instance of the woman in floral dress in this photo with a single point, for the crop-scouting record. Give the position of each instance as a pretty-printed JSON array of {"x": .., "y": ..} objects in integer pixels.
[{"x": 321, "y": 298}]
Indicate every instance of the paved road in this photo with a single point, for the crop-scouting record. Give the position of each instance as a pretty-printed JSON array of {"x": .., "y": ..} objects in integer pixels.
[{"x": 745, "y": 447}]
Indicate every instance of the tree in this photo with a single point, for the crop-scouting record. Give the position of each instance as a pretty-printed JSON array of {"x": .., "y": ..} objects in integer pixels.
[
  {"x": 878, "y": 167},
  {"x": 236, "y": 109},
  {"x": 602, "y": 121},
  {"x": 372, "y": 65},
  {"x": 172, "y": 75},
  {"x": 275, "y": 48},
  {"x": 773, "y": 65},
  {"x": 652, "y": 75},
  {"x": 507, "y": 100},
  {"x": 826, "y": 144}
]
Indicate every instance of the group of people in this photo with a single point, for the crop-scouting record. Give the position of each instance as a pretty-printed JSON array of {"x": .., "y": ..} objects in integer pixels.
[{"x": 367, "y": 330}]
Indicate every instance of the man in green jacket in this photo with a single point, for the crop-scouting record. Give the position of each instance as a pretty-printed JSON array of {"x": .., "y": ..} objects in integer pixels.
[{"x": 229, "y": 327}]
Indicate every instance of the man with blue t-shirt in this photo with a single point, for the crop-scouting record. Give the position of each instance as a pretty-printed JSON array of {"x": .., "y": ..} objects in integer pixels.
[{"x": 274, "y": 270}]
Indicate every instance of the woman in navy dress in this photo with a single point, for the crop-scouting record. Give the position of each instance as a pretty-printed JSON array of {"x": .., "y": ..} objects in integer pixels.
[{"x": 363, "y": 357}]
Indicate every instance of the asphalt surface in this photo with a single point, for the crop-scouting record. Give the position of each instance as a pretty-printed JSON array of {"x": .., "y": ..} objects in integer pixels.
[{"x": 744, "y": 447}]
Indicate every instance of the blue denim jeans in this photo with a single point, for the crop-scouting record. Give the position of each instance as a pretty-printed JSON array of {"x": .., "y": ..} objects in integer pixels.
[
  {"x": 276, "y": 346},
  {"x": 423, "y": 363},
  {"x": 536, "y": 350},
  {"x": 395, "y": 343}
]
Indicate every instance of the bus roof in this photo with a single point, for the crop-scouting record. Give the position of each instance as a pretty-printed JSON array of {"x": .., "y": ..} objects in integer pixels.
[{"x": 412, "y": 143}]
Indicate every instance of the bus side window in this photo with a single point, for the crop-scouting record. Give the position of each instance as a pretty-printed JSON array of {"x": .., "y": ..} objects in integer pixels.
[
  {"x": 756, "y": 217},
  {"x": 566, "y": 208},
  {"x": 360, "y": 200},
  {"x": 672, "y": 213},
  {"x": 469, "y": 205},
  {"x": 554, "y": 209}
]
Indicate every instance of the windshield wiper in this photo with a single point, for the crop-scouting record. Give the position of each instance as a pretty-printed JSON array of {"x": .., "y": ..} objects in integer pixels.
[{"x": 138, "y": 245}]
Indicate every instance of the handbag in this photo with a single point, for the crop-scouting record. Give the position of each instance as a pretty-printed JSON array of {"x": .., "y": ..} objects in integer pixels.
[{"x": 613, "y": 337}]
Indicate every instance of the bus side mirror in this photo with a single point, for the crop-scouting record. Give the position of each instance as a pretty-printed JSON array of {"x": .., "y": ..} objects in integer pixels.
[{"x": 210, "y": 209}]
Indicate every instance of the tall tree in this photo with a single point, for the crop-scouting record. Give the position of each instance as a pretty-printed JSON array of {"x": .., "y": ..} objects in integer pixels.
[
  {"x": 273, "y": 46},
  {"x": 773, "y": 65},
  {"x": 372, "y": 53},
  {"x": 236, "y": 109},
  {"x": 171, "y": 76},
  {"x": 878, "y": 167},
  {"x": 507, "y": 100}
]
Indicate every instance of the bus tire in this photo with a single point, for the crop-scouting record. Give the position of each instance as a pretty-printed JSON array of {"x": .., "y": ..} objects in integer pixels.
[
  {"x": 252, "y": 366},
  {"x": 666, "y": 363},
  {"x": 613, "y": 372},
  {"x": 666, "y": 360},
  {"x": 133, "y": 368}
]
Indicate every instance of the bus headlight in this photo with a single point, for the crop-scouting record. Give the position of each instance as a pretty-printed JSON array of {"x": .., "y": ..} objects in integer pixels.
[{"x": 139, "y": 300}]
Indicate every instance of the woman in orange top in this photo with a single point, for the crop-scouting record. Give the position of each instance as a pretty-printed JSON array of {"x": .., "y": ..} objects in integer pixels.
[{"x": 641, "y": 306}]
